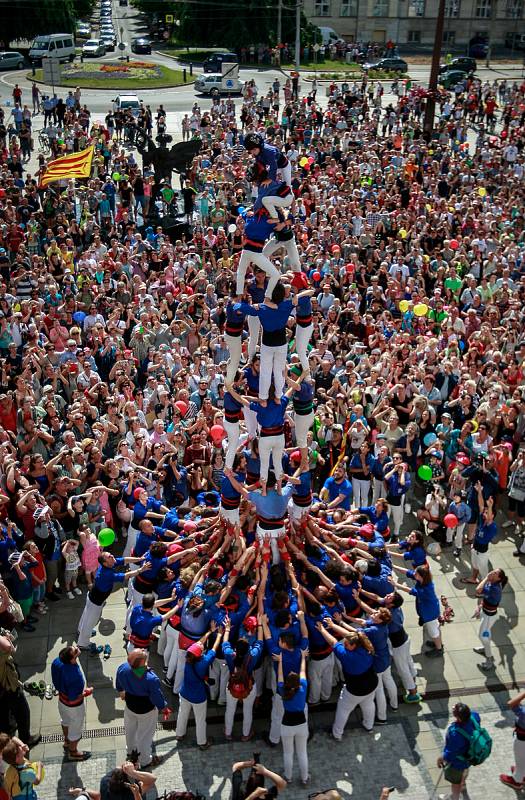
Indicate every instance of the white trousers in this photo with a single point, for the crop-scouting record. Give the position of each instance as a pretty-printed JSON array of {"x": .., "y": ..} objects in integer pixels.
[
  {"x": 130, "y": 541},
  {"x": 178, "y": 675},
  {"x": 303, "y": 423},
  {"x": 320, "y": 675},
  {"x": 273, "y": 245},
  {"x": 220, "y": 673},
  {"x": 519, "y": 758},
  {"x": 346, "y": 704},
  {"x": 140, "y": 730},
  {"x": 480, "y": 561},
  {"x": 263, "y": 262},
  {"x": 171, "y": 650},
  {"x": 161, "y": 641},
  {"x": 199, "y": 712},
  {"x": 89, "y": 620},
  {"x": 234, "y": 345},
  {"x": 273, "y": 201},
  {"x": 254, "y": 327},
  {"x": 379, "y": 490},
  {"x": 233, "y": 431},
  {"x": 397, "y": 513},
  {"x": 456, "y": 535},
  {"x": 296, "y": 513},
  {"x": 276, "y": 718},
  {"x": 274, "y": 446},
  {"x": 273, "y": 365},
  {"x": 295, "y": 737},
  {"x": 273, "y": 536},
  {"x": 387, "y": 684},
  {"x": 250, "y": 418},
  {"x": 405, "y": 666},
  {"x": 73, "y": 719},
  {"x": 361, "y": 490},
  {"x": 230, "y": 515},
  {"x": 485, "y": 637},
  {"x": 302, "y": 339},
  {"x": 247, "y": 711}
]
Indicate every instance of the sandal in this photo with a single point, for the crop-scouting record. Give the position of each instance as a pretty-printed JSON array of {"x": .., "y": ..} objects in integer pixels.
[
  {"x": 78, "y": 756},
  {"x": 32, "y": 687},
  {"x": 107, "y": 651},
  {"x": 48, "y": 693}
]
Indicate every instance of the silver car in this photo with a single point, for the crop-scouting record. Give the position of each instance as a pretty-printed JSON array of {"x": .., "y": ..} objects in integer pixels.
[{"x": 11, "y": 60}]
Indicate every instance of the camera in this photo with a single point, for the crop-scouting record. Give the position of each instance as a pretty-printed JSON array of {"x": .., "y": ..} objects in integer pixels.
[{"x": 256, "y": 758}]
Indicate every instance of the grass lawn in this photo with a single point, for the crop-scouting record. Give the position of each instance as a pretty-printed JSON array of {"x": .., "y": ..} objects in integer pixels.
[
  {"x": 195, "y": 54},
  {"x": 88, "y": 76},
  {"x": 325, "y": 66}
]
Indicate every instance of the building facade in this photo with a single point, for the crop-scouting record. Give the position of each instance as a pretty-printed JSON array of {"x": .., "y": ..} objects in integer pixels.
[{"x": 413, "y": 21}]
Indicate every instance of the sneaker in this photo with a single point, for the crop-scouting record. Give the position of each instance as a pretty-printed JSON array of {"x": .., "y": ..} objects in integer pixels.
[
  {"x": 508, "y": 524},
  {"x": 457, "y": 552},
  {"x": 508, "y": 780},
  {"x": 206, "y": 745},
  {"x": 412, "y": 698},
  {"x": 52, "y": 596},
  {"x": 70, "y": 596},
  {"x": 168, "y": 682},
  {"x": 479, "y": 650},
  {"x": 435, "y": 653},
  {"x": 487, "y": 665},
  {"x": 518, "y": 554},
  {"x": 380, "y": 722},
  {"x": 77, "y": 590}
]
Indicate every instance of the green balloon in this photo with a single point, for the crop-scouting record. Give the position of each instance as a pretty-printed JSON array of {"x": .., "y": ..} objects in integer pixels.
[
  {"x": 106, "y": 537},
  {"x": 425, "y": 472},
  {"x": 116, "y": 176}
]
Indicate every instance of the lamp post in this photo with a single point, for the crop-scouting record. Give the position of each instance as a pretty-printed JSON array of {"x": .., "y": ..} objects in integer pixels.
[
  {"x": 298, "y": 35},
  {"x": 434, "y": 70}
]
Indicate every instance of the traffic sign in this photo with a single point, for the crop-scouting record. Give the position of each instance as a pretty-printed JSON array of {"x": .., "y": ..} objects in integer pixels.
[
  {"x": 316, "y": 47},
  {"x": 169, "y": 19}
]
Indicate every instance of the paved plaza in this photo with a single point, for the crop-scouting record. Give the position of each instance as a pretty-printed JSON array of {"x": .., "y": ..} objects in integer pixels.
[{"x": 402, "y": 754}]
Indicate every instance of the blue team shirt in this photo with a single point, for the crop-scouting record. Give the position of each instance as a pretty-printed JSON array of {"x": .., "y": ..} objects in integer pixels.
[{"x": 335, "y": 489}]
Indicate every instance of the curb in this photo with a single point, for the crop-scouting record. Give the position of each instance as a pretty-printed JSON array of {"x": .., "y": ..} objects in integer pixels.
[{"x": 32, "y": 79}]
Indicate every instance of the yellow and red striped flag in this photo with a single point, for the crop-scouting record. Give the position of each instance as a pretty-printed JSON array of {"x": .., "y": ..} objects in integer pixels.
[{"x": 77, "y": 165}]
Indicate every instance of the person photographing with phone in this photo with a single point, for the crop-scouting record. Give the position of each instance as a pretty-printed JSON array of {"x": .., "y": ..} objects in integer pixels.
[{"x": 254, "y": 786}]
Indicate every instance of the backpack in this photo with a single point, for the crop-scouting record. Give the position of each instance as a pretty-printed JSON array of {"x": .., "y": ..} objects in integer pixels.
[
  {"x": 181, "y": 796},
  {"x": 480, "y": 744},
  {"x": 240, "y": 682}
]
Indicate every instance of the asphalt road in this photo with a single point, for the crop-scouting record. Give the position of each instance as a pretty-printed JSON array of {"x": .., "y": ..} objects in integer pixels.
[{"x": 178, "y": 101}]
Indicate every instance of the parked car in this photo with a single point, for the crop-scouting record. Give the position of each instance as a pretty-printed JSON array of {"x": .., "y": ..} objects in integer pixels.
[
  {"x": 141, "y": 45},
  {"x": 449, "y": 79},
  {"x": 11, "y": 60},
  {"x": 388, "y": 65},
  {"x": 53, "y": 45},
  {"x": 93, "y": 48},
  {"x": 461, "y": 63},
  {"x": 215, "y": 60}
]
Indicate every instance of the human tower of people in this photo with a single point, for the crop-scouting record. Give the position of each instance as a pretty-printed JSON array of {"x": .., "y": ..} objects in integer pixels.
[{"x": 260, "y": 608}]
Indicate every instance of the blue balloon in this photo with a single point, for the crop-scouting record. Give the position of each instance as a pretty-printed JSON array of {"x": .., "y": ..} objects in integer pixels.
[
  {"x": 429, "y": 439},
  {"x": 79, "y": 316}
]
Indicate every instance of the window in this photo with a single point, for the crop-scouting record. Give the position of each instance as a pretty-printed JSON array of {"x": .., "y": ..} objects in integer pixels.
[
  {"x": 483, "y": 9},
  {"x": 514, "y": 9},
  {"x": 452, "y": 8},
  {"x": 380, "y": 8},
  {"x": 349, "y": 8},
  {"x": 414, "y": 36},
  {"x": 416, "y": 8},
  {"x": 449, "y": 37},
  {"x": 322, "y": 8}
]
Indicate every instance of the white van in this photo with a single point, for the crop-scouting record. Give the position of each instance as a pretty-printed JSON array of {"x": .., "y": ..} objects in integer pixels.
[
  {"x": 54, "y": 45},
  {"x": 127, "y": 102},
  {"x": 329, "y": 36}
]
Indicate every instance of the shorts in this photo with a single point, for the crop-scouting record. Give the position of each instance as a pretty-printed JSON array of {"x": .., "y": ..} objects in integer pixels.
[
  {"x": 453, "y": 775},
  {"x": 432, "y": 628}
]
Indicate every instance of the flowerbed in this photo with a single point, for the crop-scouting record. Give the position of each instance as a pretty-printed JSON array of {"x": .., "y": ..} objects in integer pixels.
[{"x": 141, "y": 70}]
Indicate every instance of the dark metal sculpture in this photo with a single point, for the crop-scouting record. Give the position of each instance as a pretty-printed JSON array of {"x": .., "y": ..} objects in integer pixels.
[{"x": 177, "y": 159}]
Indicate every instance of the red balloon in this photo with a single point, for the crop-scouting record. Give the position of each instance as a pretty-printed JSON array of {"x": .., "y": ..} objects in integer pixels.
[
  {"x": 182, "y": 407},
  {"x": 316, "y": 276},
  {"x": 217, "y": 433},
  {"x": 451, "y": 521},
  {"x": 454, "y": 244}
]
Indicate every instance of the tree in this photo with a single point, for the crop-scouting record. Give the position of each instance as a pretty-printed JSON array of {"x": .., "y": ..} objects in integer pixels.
[
  {"x": 232, "y": 23},
  {"x": 24, "y": 19}
]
